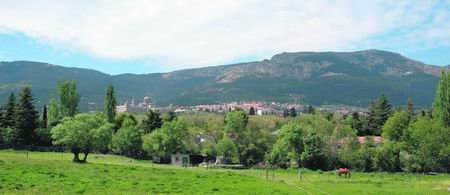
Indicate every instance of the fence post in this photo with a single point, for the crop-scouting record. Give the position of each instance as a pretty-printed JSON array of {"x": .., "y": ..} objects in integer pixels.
[
  {"x": 273, "y": 173},
  {"x": 300, "y": 173},
  {"x": 267, "y": 172}
]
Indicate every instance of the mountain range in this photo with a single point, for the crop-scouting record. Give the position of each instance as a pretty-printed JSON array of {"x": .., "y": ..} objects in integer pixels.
[{"x": 317, "y": 78}]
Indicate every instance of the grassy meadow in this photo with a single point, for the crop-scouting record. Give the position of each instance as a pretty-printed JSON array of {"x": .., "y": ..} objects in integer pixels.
[{"x": 24, "y": 172}]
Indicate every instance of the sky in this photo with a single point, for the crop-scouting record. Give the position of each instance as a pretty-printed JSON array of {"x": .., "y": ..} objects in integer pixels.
[{"x": 146, "y": 36}]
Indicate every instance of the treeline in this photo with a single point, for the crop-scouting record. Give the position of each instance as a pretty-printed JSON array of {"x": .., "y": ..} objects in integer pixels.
[{"x": 410, "y": 141}]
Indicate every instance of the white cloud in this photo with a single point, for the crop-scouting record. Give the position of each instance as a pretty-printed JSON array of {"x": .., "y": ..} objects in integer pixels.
[{"x": 197, "y": 33}]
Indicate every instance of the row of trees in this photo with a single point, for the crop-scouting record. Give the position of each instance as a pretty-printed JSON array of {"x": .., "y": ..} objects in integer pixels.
[
  {"x": 410, "y": 142},
  {"x": 416, "y": 142},
  {"x": 19, "y": 120}
]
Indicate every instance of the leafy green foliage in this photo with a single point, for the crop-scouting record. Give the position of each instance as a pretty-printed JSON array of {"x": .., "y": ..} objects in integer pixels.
[
  {"x": 120, "y": 119},
  {"x": 289, "y": 145},
  {"x": 152, "y": 121},
  {"x": 227, "y": 149},
  {"x": 171, "y": 138},
  {"x": 441, "y": 104},
  {"x": 54, "y": 114},
  {"x": 109, "y": 108},
  {"x": 429, "y": 143},
  {"x": 127, "y": 141},
  {"x": 395, "y": 127},
  {"x": 68, "y": 98},
  {"x": 313, "y": 157},
  {"x": 26, "y": 118},
  {"x": 379, "y": 112},
  {"x": 83, "y": 133},
  {"x": 9, "y": 119}
]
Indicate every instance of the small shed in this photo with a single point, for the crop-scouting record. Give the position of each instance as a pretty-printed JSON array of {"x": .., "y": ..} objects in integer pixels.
[{"x": 187, "y": 159}]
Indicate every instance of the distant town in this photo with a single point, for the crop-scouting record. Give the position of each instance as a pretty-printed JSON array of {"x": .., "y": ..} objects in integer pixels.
[{"x": 259, "y": 107}]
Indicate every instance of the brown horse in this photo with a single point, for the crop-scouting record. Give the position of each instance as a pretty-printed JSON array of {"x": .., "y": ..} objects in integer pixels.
[{"x": 344, "y": 171}]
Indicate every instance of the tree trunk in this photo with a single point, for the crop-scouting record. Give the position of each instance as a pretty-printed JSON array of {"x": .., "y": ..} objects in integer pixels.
[
  {"x": 76, "y": 156},
  {"x": 86, "y": 152}
]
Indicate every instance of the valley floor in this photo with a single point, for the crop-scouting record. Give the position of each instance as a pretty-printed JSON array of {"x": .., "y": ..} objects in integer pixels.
[{"x": 24, "y": 172}]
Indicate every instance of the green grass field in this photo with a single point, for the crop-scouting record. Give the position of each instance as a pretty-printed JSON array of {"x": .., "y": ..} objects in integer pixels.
[{"x": 53, "y": 173}]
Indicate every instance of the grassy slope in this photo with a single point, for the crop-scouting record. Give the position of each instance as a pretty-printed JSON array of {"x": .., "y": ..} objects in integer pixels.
[
  {"x": 47, "y": 173},
  {"x": 54, "y": 173}
]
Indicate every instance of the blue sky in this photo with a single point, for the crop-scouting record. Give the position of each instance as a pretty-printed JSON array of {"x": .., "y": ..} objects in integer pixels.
[{"x": 161, "y": 36}]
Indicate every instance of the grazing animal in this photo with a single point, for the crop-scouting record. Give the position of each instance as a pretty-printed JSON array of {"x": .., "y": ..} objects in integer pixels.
[{"x": 344, "y": 171}]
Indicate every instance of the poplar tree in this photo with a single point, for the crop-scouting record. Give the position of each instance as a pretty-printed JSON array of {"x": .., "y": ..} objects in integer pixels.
[
  {"x": 44, "y": 120},
  {"x": 410, "y": 108},
  {"x": 68, "y": 98},
  {"x": 110, "y": 104},
  {"x": 27, "y": 117},
  {"x": 441, "y": 105}
]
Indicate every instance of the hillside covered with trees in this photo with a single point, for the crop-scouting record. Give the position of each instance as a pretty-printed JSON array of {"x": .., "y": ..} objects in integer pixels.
[{"x": 317, "y": 78}]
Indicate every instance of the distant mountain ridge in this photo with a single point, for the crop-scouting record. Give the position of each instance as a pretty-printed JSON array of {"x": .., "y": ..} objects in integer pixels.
[{"x": 350, "y": 78}]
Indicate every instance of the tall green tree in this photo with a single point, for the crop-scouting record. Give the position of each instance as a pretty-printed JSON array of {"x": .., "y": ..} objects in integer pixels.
[
  {"x": 410, "y": 108},
  {"x": 110, "y": 104},
  {"x": 54, "y": 115},
  {"x": 68, "y": 98},
  {"x": 289, "y": 146},
  {"x": 251, "y": 111},
  {"x": 429, "y": 144},
  {"x": 235, "y": 124},
  {"x": 169, "y": 116},
  {"x": 292, "y": 112},
  {"x": 171, "y": 138},
  {"x": 441, "y": 104},
  {"x": 44, "y": 119},
  {"x": 10, "y": 113},
  {"x": 357, "y": 124},
  {"x": 379, "y": 112},
  {"x": 395, "y": 127},
  {"x": 27, "y": 117},
  {"x": 127, "y": 140},
  {"x": 2, "y": 117},
  {"x": 313, "y": 156},
  {"x": 120, "y": 119},
  {"x": 152, "y": 121},
  {"x": 227, "y": 149},
  {"x": 2, "y": 125}
]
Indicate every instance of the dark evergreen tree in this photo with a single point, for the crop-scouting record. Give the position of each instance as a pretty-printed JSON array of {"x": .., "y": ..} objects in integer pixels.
[
  {"x": 27, "y": 117},
  {"x": 310, "y": 110},
  {"x": 379, "y": 112},
  {"x": 292, "y": 112},
  {"x": 110, "y": 104},
  {"x": 285, "y": 112},
  {"x": 251, "y": 111},
  {"x": 170, "y": 116},
  {"x": 410, "y": 108},
  {"x": 10, "y": 112},
  {"x": 152, "y": 121},
  {"x": 44, "y": 119},
  {"x": 357, "y": 124},
  {"x": 2, "y": 117}
]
